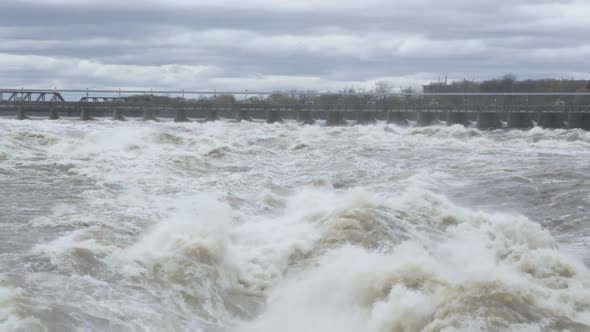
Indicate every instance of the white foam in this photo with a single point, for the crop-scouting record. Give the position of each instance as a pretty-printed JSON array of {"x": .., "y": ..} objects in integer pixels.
[
  {"x": 199, "y": 226},
  {"x": 432, "y": 282},
  {"x": 337, "y": 229},
  {"x": 10, "y": 320}
]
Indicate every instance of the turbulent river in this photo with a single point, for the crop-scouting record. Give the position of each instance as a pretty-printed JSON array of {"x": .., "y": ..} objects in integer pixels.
[{"x": 134, "y": 226}]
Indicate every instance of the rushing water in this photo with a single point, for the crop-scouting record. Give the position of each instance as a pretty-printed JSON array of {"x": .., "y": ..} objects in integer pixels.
[{"x": 112, "y": 226}]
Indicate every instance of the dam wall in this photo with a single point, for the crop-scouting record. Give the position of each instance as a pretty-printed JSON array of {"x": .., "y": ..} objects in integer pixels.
[{"x": 332, "y": 115}]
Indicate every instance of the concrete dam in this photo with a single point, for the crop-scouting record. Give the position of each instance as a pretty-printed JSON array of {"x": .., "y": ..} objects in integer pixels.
[{"x": 23, "y": 104}]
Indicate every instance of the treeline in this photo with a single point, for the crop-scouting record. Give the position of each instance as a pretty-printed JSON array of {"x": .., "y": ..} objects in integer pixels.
[
  {"x": 509, "y": 84},
  {"x": 380, "y": 94},
  {"x": 381, "y": 90}
]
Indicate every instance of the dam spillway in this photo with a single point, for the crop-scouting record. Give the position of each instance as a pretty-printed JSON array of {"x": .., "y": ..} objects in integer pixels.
[
  {"x": 576, "y": 117},
  {"x": 21, "y": 104}
]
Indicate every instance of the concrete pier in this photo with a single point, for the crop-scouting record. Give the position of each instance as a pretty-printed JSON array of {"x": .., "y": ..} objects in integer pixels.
[
  {"x": 335, "y": 118},
  {"x": 364, "y": 117},
  {"x": 486, "y": 121},
  {"x": 306, "y": 117},
  {"x": 273, "y": 116},
  {"x": 454, "y": 118},
  {"x": 118, "y": 115},
  {"x": 180, "y": 115},
  {"x": 426, "y": 119},
  {"x": 397, "y": 118},
  {"x": 519, "y": 120},
  {"x": 550, "y": 120},
  {"x": 85, "y": 114},
  {"x": 578, "y": 120},
  {"x": 211, "y": 115},
  {"x": 149, "y": 114},
  {"x": 53, "y": 114},
  {"x": 20, "y": 113}
]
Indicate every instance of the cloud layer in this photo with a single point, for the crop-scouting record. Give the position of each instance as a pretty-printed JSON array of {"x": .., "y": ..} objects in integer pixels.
[{"x": 275, "y": 45}]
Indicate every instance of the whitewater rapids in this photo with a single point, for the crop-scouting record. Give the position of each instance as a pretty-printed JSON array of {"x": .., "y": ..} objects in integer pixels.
[{"x": 144, "y": 226}]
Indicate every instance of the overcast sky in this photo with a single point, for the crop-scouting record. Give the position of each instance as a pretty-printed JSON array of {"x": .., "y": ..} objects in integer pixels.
[{"x": 284, "y": 44}]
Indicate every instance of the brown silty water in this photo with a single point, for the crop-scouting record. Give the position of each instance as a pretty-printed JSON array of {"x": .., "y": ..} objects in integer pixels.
[{"x": 258, "y": 227}]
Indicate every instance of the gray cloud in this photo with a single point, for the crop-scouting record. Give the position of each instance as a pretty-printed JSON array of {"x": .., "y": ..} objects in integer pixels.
[{"x": 287, "y": 44}]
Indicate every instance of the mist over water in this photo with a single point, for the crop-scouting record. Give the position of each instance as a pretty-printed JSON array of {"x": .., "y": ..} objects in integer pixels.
[{"x": 144, "y": 226}]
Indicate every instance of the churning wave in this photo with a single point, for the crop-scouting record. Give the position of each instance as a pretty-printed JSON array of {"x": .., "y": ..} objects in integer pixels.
[{"x": 256, "y": 227}]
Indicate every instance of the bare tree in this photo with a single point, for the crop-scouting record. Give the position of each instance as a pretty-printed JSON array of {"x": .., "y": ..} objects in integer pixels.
[{"x": 383, "y": 87}]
